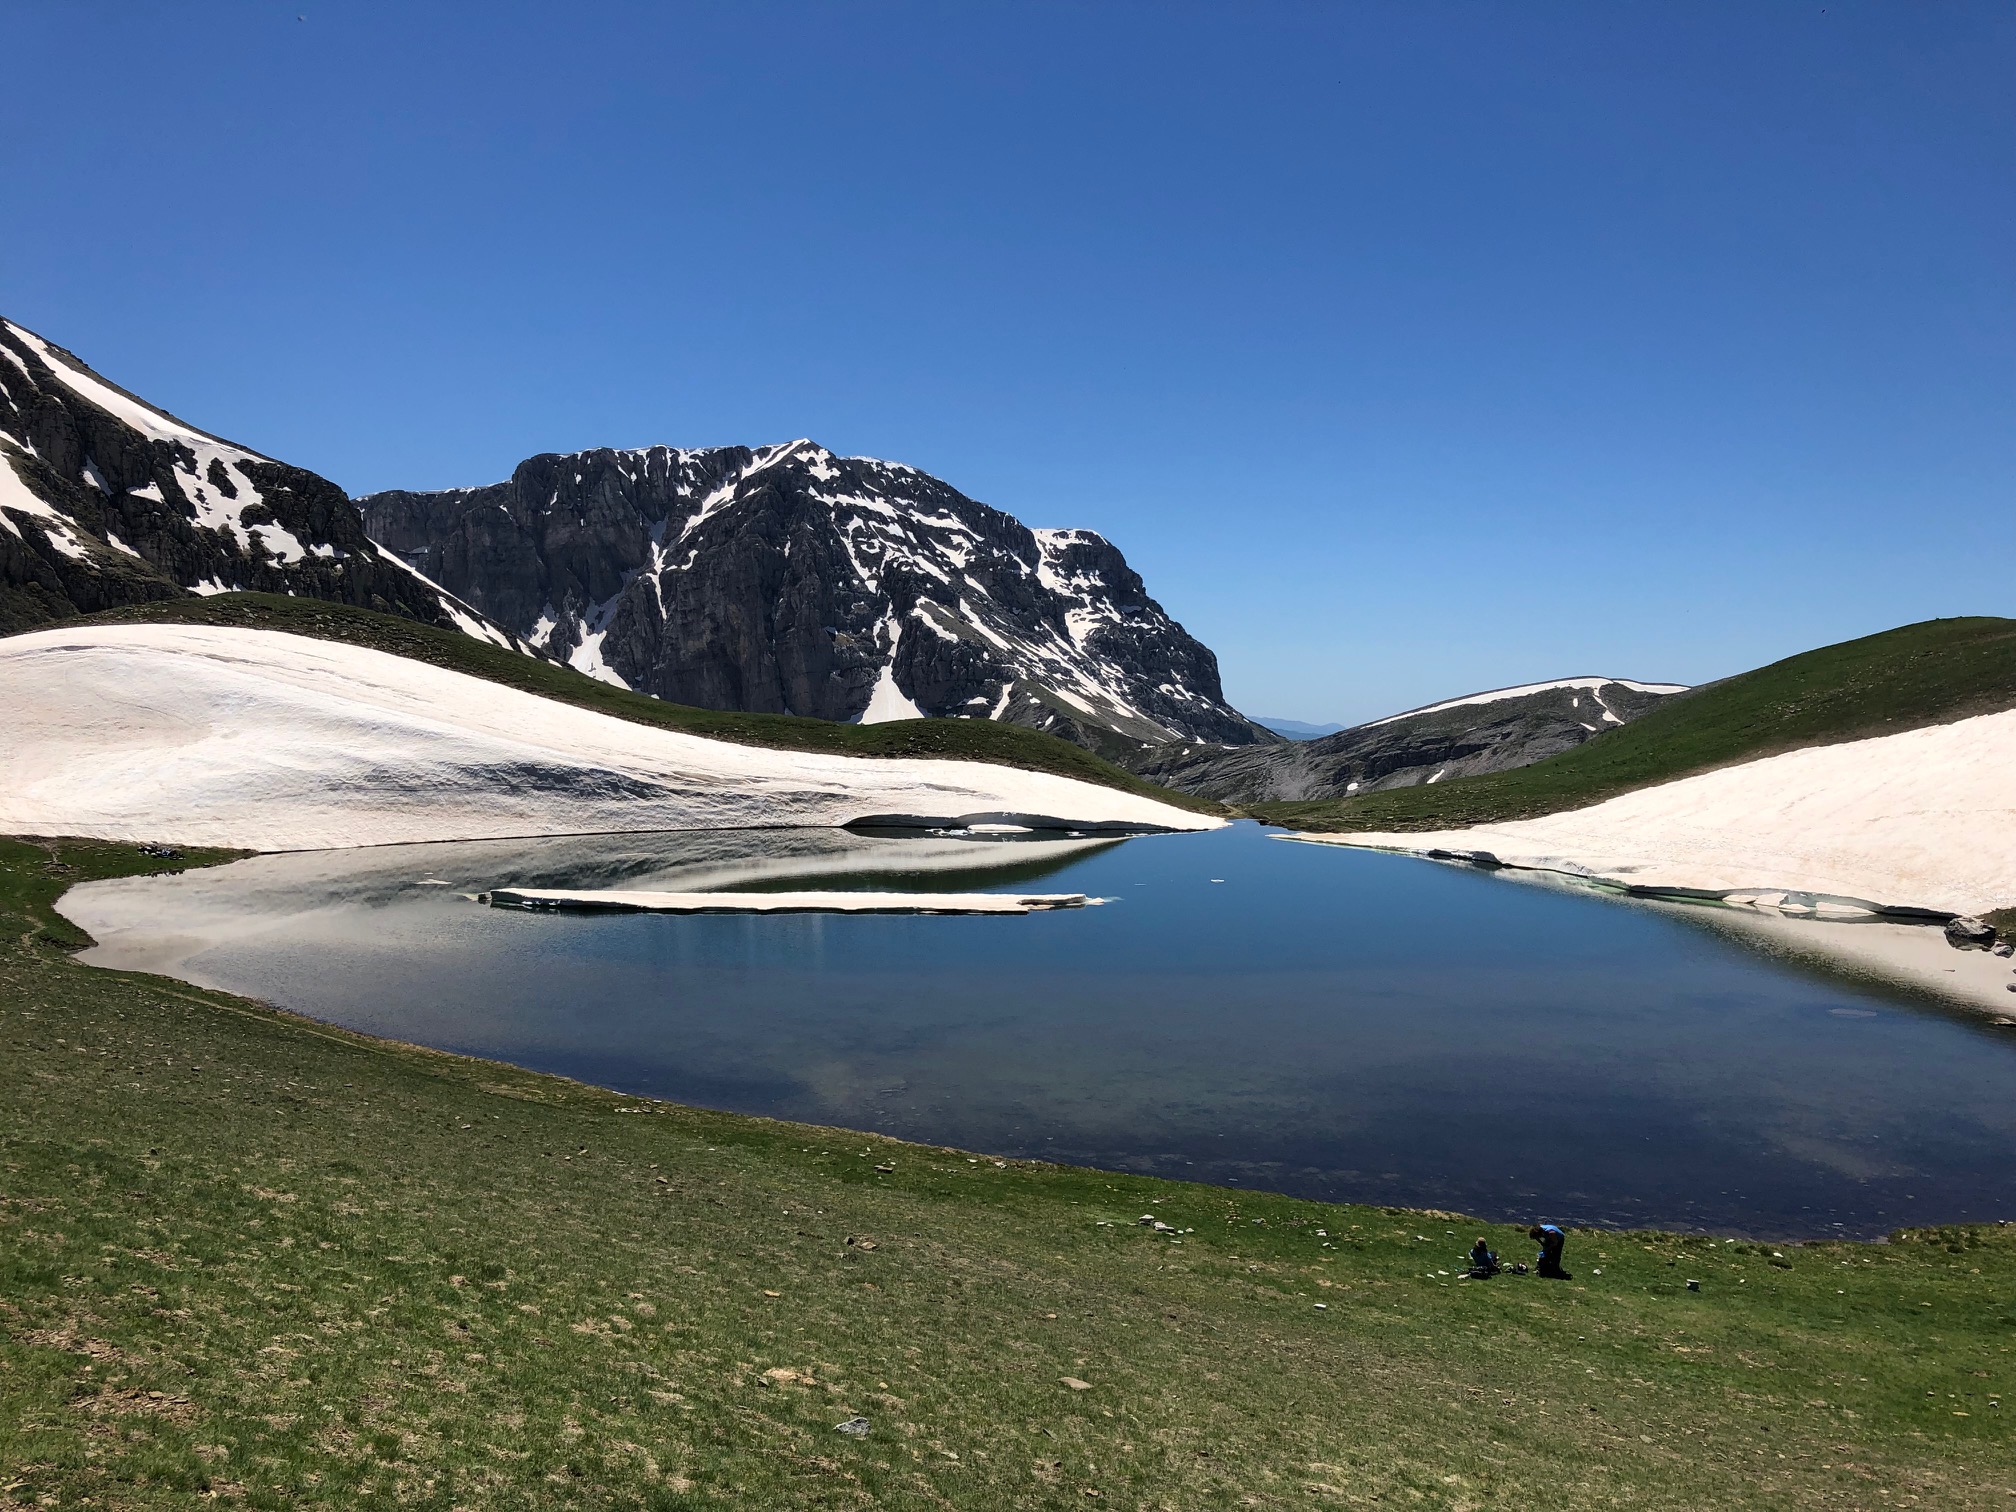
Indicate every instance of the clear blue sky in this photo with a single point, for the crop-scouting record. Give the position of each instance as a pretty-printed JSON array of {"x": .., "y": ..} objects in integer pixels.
[{"x": 1406, "y": 348}]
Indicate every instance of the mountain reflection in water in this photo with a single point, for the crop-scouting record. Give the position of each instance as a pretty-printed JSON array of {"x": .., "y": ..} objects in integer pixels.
[{"x": 1339, "y": 1024}]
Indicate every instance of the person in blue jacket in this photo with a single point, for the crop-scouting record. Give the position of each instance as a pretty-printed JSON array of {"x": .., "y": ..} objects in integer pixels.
[{"x": 1551, "y": 1241}]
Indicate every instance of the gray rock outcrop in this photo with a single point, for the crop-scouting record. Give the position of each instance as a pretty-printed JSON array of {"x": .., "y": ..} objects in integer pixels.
[
  {"x": 1968, "y": 933},
  {"x": 787, "y": 579}
]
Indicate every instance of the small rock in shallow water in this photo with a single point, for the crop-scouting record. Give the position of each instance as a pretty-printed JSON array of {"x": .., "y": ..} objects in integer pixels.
[{"x": 1964, "y": 933}]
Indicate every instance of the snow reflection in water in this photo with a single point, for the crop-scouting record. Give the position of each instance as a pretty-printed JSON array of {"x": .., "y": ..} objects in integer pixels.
[{"x": 1333, "y": 1023}]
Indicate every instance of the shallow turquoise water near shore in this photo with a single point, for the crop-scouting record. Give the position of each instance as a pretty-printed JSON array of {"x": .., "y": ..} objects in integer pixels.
[{"x": 1333, "y": 1023}]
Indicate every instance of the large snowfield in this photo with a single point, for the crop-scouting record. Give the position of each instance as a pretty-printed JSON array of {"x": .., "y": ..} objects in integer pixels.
[
  {"x": 1925, "y": 819},
  {"x": 197, "y": 735}
]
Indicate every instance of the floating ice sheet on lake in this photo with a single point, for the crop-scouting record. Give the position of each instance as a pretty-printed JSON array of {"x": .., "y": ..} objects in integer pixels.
[{"x": 618, "y": 901}]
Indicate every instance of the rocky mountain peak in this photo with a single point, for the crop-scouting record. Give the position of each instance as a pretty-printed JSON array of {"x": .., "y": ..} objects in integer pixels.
[
  {"x": 790, "y": 579},
  {"x": 107, "y": 500}
]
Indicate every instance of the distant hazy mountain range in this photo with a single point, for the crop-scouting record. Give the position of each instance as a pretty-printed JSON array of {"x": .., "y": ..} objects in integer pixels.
[
  {"x": 1484, "y": 732},
  {"x": 106, "y": 500},
  {"x": 787, "y": 579},
  {"x": 1295, "y": 729}
]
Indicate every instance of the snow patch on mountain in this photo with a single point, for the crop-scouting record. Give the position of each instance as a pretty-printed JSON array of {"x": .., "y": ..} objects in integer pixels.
[
  {"x": 14, "y": 495},
  {"x": 114, "y": 501},
  {"x": 210, "y": 469},
  {"x": 1594, "y": 685},
  {"x": 887, "y": 703}
]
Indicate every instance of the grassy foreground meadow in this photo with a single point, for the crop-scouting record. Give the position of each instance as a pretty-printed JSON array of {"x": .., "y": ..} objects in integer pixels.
[{"x": 252, "y": 1260}]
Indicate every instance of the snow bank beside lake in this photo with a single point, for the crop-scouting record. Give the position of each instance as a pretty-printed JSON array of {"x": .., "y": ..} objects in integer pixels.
[
  {"x": 200, "y": 735},
  {"x": 625, "y": 901},
  {"x": 1908, "y": 955},
  {"x": 1921, "y": 820}
]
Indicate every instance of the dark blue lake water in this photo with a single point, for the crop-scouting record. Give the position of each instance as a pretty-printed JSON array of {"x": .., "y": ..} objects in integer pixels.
[{"x": 1320, "y": 1021}]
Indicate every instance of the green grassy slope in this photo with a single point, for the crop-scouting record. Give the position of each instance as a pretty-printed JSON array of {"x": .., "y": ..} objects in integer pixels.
[
  {"x": 250, "y": 1258},
  {"x": 1924, "y": 674},
  {"x": 948, "y": 739}
]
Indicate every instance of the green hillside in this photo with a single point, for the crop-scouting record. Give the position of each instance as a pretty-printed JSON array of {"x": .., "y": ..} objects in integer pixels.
[
  {"x": 247, "y": 1260},
  {"x": 946, "y": 739},
  {"x": 1924, "y": 674}
]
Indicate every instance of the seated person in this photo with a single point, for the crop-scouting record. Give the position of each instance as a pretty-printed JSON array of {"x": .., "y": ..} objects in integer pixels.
[{"x": 1483, "y": 1260}]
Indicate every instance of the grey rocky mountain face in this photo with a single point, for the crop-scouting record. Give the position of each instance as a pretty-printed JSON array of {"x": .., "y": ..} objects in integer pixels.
[
  {"x": 106, "y": 500},
  {"x": 787, "y": 579},
  {"x": 1486, "y": 732}
]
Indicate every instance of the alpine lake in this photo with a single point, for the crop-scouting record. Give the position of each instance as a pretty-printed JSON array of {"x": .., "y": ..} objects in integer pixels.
[{"x": 1242, "y": 1010}]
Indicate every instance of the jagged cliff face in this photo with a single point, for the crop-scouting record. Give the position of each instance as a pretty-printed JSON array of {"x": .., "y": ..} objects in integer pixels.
[
  {"x": 105, "y": 500},
  {"x": 790, "y": 580},
  {"x": 1486, "y": 732}
]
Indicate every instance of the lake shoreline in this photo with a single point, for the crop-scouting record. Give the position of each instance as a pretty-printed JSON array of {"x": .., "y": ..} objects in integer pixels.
[
  {"x": 1888, "y": 947},
  {"x": 240, "y": 1003},
  {"x": 1231, "y": 1019}
]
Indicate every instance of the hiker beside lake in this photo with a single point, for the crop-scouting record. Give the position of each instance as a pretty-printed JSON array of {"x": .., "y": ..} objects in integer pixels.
[{"x": 1551, "y": 1241}]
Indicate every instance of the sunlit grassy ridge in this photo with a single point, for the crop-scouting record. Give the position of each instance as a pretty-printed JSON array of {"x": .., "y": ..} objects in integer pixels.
[
  {"x": 953, "y": 739},
  {"x": 248, "y": 1256},
  {"x": 1904, "y": 679}
]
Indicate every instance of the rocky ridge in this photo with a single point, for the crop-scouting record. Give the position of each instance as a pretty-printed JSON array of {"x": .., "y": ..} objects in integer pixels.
[
  {"x": 787, "y": 579},
  {"x": 106, "y": 500},
  {"x": 1463, "y": 737}
]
